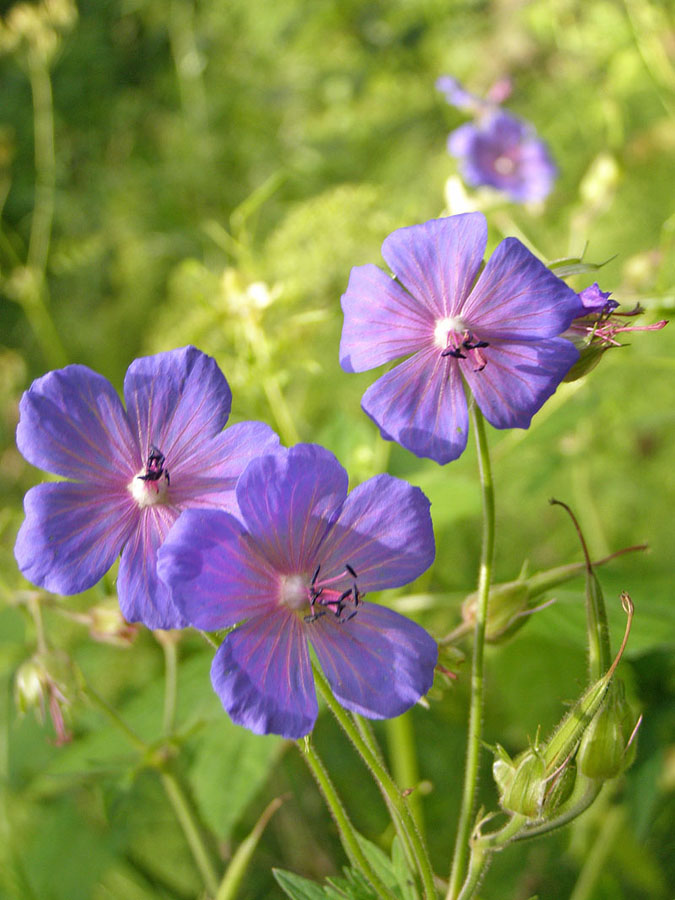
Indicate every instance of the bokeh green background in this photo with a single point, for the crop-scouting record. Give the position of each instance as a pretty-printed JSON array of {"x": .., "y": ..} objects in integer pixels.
[{"x": 217, "y": 168}]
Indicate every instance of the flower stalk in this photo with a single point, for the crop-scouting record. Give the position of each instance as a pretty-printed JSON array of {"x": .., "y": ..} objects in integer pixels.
[
  {"x": 459, "y": 861},
  {"x": 175, "y": 792},
  {"x": 348, "y": 835},
  {"x": 386, "y": 785}
]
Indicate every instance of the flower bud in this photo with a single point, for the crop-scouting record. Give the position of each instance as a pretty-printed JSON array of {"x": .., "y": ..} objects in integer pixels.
[
  {"x": 29, "y": 686},
  {"x": 47, "y": 681},
  {"x": 107, "y": 625},
  {"x": 607, "y": 748},
  {"x": 512, "y": 602},
  {"x": 521, "y": 782}
]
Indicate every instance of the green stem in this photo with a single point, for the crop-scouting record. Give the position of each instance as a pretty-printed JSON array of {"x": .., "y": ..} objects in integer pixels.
[
  {"x": 482, "y": 850},
  {"x": 33, "y": 298},
  {"x": 459, "y": 861},
  {"x": 348, "y": 835},
  {"x": 191, "y": 829},
  {"x": 170, "y": 682},
  {"x": 175, "y": 792},
  {"x": 401, "y": 740},
  {"x": 366, "y": 732},
  {"x": 596, "y": 860},
  {"x": 386, "y": 784},
  {"x": 116, "y": 719},
  {"x": 45, "y": 161},
  {"x": 599, "y": 650},
  {"x": 229, "y": 886}
]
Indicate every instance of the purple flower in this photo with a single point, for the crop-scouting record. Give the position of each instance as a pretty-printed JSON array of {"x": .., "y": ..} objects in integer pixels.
[
  {"x": 496, "y": 329},
  {"x": 131, "y": 472},
  {"x": 294, "y": 568},
  {"x": 504, "y": 152}
]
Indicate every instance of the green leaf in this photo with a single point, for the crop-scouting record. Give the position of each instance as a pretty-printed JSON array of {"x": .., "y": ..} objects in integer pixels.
[{"x": 298, "y": 888}]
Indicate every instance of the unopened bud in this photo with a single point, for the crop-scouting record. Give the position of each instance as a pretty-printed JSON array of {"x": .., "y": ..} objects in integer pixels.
[
  {"x": 607, "y": 748},
  {"x": 29, "y": 687},
  {"x": 47, "y": 681},
  {"x": 107, "y": 625},
  {"x": 521, "y": 782},
  {"x": 511, "y": 603}
]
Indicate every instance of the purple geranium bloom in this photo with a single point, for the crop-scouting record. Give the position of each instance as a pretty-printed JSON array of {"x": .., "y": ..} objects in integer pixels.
[
  {"x": 294, "y": 567},
  {"x": 504, "y": 152},
  {"x": 132, "y": 472},
  {"x": 496, "y": 329}
]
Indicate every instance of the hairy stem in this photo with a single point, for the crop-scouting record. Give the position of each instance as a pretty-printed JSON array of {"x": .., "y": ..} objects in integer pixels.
[
  {"x": 459, "y": 861},
  {"x": 386, "y": 784},
  {"x": 348, "y": 834}
]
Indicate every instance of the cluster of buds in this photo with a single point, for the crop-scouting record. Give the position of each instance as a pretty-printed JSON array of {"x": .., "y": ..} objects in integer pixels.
[{"x": 551, "y": 782}]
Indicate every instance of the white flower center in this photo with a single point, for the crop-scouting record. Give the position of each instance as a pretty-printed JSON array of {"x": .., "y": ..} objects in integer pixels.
[
  {"x": 444, "y": 327},
  {"x": 504, "y": 165},
  {"x": 293, "y": 591},
  {"x": 148, "y": 493}
]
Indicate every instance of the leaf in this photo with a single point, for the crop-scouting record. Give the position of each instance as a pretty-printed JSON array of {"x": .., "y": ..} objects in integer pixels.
[{"x": 296, "y": 887}]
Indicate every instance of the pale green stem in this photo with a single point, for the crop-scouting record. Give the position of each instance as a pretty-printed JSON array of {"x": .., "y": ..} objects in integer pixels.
[
  {"x": 270, "y": 382},
  {"x": 170, "y": 684},
  {"x": 366, "y": 732},
  {"x": 45, "y": 161},
  {"x": 186, "y": 58},
  {"x": 482, "y": 850},
  {"x": 191, "y": 829},
  {"x": 175, "y": 792},
  {"x": 597, "y": 858},
  {"x": 34, "y": 299},
  {"x": 116, "y": 719},
  {"x": 229, "y": 886},
  {"x": 348, "y": 835},
  {"x": 597, "y": 626},
  {"x": 401, "y": 741},
  {"x": 386, "y": 784},
  {"x": 461, "y": 850}
]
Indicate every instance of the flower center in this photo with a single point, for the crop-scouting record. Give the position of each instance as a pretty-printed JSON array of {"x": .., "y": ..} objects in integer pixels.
[
  {"x": 322, "y": 595},
  {"x": 151, "y": 485},
  {"x": 454, "y": 339},
  {"x": 294, "y": 591},
  {"x": 504, "y": 165},
  {"x": 445, "y": 328}
]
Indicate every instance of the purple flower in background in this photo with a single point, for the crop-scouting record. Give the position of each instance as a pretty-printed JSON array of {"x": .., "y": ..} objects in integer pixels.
[
  {"x": 496, "y": 329},
  {"x": 293, "y": 568},
  {"x": 504, "y": 152},
  {"x": 132, "y": 472},
  {"x": 498, "y": 149}
]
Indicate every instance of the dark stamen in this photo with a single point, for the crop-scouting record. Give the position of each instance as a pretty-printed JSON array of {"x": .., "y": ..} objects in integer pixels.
[
  {"x": 351, "y": 571},
  {"x": 315, "y": 575},
  {"x": 455, "y": 352},
  {"x": 314, "y": 616}
]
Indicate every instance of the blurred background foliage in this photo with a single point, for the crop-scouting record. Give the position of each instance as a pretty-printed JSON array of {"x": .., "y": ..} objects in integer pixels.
[{"x": 207, "y": 172}]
